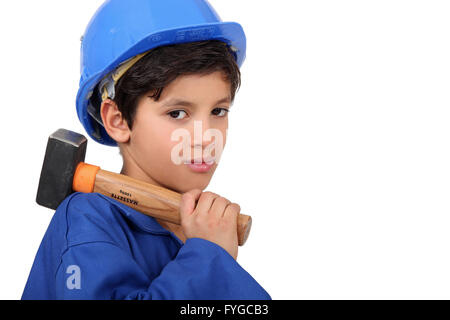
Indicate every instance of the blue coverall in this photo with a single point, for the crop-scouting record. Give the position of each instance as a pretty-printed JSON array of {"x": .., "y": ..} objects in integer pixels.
[{"x": 98, "y": 248}]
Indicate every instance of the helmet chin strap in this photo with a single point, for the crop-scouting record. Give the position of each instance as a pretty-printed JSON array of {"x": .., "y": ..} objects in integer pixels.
[
  {"x": 106, "y": 86},
  {"x": 106, "y": 89}
]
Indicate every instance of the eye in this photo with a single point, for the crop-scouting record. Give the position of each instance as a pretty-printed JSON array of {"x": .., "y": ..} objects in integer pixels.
[
  {"x": 176, "y": 114},
  {"x": 220, "y": 112}
]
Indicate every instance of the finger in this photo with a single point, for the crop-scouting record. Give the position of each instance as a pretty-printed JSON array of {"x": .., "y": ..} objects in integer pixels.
[
  {"x": 196, "y": 194},
  {"x": 205, "y": 202},
  {"x": 218, "y": 206},
  {"x": 231, "y": 212},
  {"x": 188, "y": 199}
]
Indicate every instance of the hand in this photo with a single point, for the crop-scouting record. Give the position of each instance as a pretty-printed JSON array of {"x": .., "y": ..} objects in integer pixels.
[{"x": 214, "y": 218}]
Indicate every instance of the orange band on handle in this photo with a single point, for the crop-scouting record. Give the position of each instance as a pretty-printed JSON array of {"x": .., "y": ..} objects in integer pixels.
[{"x": 84, "y": 177}]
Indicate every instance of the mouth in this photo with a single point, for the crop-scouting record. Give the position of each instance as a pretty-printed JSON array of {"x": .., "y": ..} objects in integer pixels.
[
  {"x": 209, "y": 161},
  {"x": 200, "y": 165}
]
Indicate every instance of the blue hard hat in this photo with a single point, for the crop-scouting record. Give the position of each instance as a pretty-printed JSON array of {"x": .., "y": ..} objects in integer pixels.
[{"x": 122, "y": 29}]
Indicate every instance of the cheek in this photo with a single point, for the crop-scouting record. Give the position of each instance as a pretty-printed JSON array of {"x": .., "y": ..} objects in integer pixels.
[
  {"x": 225, "y": 132},
  {"x": 152, "y": 140},
  {"x": 223, "y": 128}
]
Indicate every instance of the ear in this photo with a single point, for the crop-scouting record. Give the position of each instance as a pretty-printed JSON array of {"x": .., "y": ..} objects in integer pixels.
[{"x": 115, "y": 125}]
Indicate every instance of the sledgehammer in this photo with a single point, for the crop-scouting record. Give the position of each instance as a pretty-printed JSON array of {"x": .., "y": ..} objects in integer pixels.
[{"x": 64, "y": 172}]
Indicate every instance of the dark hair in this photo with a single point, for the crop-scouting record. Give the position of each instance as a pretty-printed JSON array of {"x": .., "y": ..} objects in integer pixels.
[{"x": 164, "y": 64}]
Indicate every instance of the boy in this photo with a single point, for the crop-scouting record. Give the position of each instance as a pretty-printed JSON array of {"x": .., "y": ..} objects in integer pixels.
[{"x": 151, "y": 69}]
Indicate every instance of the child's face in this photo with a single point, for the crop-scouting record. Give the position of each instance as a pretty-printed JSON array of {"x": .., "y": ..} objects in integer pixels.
[{"x": 155, "y": 142}]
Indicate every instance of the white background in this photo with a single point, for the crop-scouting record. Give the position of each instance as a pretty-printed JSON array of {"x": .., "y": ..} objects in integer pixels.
[{"x": 338, "y": 142}]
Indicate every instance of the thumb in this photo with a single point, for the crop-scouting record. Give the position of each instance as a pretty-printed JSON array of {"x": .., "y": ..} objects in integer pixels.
[{"x": 188, "y": 202}]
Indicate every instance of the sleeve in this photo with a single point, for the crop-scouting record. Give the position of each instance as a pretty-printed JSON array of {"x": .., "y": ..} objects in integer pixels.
[{"x": 201, "y": 270}]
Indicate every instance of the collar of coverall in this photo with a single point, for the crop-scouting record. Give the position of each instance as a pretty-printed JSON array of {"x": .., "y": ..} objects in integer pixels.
[{"x": 144, "y": 222}]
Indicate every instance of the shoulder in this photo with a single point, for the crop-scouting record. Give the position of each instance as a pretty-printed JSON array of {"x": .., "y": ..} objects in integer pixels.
[
  {"x": 89, "y": 218},
  {"x": 85, "y": 203}
]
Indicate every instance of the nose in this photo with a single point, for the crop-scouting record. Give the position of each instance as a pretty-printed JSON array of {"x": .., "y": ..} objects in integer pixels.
[{"x": 199, "y": 128}]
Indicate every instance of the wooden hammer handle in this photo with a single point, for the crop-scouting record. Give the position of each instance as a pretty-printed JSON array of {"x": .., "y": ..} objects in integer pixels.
[{"x": 152, "y": 200}]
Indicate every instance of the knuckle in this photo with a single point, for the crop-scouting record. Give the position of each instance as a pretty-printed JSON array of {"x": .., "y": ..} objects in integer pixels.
[
  {"x": 235, "y": 207},
  {"x": 221, "y": 200},
  {"x": 210, "y": 194},
  {"x": 225, "y": 223},
  {"x": 212, "y": 224}
]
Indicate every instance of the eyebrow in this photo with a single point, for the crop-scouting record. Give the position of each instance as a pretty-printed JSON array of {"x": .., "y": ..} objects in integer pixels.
[{"x": 181, "y": 102}]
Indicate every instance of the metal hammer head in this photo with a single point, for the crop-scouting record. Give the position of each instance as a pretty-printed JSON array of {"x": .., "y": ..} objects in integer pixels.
[{"x": 65, "y": 150}]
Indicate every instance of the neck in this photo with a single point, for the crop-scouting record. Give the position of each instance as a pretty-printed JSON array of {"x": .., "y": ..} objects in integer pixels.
[{"x": 132, "y": 169}]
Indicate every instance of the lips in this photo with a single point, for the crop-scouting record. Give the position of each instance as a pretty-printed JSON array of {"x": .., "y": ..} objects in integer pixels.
[
  {"x": 209, "y": 161},
  {"x": 199, "y": 165}
]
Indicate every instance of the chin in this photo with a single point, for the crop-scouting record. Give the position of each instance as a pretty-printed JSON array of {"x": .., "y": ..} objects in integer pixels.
[
  {"x": 183, "y": 186},
  {"x": 186, "y": 180}
]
